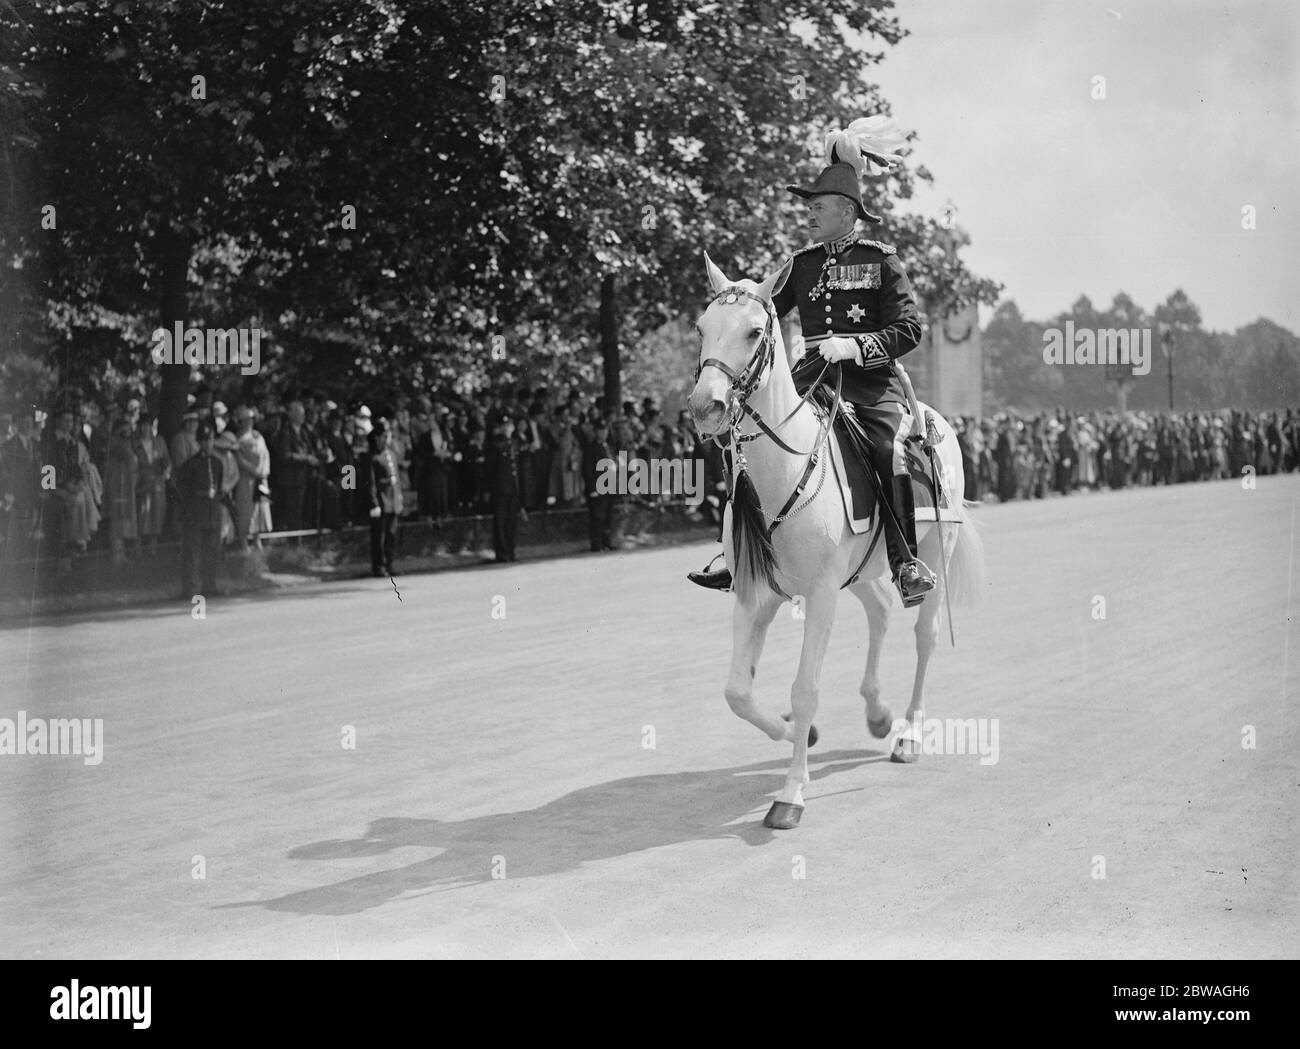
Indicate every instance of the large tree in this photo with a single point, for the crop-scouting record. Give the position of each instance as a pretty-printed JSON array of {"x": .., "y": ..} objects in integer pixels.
[{"x": 406, "y": 192}]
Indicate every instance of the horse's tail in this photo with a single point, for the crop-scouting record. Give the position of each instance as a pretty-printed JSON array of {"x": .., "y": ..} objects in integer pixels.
[
  {"x": 755, "y": 556},
  {"x": 966, "y": 566}
]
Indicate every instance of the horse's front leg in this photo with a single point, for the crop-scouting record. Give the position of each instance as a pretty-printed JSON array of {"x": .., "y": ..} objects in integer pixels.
[
  {"x": 819, "y": 617},
  {"x": 748, "y": 631}
]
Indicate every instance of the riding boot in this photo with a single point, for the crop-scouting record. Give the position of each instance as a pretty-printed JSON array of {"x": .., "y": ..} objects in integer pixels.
[
  {"x": 913, "y": 578},
  {"x": 711, "y": 580},
  {"x": 719, "y": 579}
]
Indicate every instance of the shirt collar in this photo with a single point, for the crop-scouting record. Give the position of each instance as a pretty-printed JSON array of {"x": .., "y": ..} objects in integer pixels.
[{"x": 842, "y": 244}]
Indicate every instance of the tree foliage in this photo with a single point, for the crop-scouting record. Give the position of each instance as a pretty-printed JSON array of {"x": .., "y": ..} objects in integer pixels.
[
  {"x": 1257, "y": 366},
  {"x": 403, "y": 193}
]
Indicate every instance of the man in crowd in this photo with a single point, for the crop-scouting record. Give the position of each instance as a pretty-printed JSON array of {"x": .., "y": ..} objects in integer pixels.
[
  {"x": 198, "y": 488},
  {"x": 293, "y": 460}
]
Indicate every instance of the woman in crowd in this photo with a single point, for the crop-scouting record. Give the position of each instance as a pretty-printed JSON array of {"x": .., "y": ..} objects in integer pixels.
[
  {"x": 252, "y": 491},
  {"x": 224, "y": 449},
  {"x": 120, "y": 490},
  {"x": 155, "y": 470}
]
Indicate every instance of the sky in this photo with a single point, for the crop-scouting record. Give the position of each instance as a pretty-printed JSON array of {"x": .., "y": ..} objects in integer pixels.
[{"x": 1141, "y": 191}]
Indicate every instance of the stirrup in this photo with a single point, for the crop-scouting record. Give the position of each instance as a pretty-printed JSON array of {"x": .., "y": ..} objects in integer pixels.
[
  {"x": 719, "y": 580},
  {"x": 924, "y": 581}
]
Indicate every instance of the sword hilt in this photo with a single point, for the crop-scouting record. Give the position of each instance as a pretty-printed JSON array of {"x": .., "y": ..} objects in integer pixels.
[{"x": 932, "y": 436}]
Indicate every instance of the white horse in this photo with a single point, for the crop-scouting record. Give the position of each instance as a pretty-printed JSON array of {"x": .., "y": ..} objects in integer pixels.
[{"x": 745, "y": 377}]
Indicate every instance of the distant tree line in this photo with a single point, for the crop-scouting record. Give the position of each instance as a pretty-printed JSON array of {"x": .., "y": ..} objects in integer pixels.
[{"x": 1256, "y": 367}]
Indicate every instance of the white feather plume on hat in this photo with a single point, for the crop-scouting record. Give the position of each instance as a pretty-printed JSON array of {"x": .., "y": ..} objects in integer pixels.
[{"x": 867, "y": 145}]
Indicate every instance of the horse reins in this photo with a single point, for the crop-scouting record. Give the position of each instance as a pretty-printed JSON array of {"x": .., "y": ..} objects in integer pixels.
[{"x": 743, "y": 385}]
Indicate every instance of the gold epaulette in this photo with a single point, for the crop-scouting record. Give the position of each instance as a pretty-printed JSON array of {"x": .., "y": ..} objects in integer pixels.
[{"x": 888, "y": 249}]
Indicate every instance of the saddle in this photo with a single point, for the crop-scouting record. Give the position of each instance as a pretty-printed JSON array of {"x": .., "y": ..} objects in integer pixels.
[{"x": 860, "y": 486}]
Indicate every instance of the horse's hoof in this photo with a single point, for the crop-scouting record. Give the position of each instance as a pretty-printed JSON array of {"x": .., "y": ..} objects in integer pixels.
[
  {"x": 903, "y": 754},
  {"x": 881, "y": 726},
  {"x": 783, "y": 816},
  {"x": 813, "y": 735}
]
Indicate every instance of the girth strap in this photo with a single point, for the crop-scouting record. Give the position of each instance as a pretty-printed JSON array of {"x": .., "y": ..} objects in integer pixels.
[{"x": 875, "y": 538}]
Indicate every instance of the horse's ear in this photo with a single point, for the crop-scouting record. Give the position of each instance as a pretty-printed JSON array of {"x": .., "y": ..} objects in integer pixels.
[
  {"x": 717, "y": 279},
  {"x": 776, "y": 281}
]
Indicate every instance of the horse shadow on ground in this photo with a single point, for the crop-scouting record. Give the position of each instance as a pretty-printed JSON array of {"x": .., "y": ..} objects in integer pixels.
[{"x": 599, "y": 822}]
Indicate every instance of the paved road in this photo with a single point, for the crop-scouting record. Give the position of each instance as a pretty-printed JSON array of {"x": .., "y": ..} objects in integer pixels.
[{"x": 503, "y": 796}]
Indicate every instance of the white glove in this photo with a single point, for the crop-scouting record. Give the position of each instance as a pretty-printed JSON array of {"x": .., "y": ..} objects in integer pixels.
[
  {"x": 375, "y": 511},
  {"x": 839, "y": 348}
]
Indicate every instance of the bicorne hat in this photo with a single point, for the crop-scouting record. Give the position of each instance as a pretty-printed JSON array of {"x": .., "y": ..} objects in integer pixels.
[
  {"x": 841, "y": 180},
  {"x": 864, "y": 147}
]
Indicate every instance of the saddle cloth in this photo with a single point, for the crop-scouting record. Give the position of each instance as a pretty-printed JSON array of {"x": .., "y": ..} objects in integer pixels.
[{"x": 853, "y": 477}]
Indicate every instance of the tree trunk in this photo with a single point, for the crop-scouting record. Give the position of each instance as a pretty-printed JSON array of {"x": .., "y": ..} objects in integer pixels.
[
  {"x": 609, "y": 345},
  {"x": 175, "y": 377}
]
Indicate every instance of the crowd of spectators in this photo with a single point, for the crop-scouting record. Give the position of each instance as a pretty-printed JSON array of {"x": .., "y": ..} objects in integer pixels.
[
  {"x": 101, "y": 475},
  {"x": 307, "y": 463},
  {"x": 1014, "y": 457}
]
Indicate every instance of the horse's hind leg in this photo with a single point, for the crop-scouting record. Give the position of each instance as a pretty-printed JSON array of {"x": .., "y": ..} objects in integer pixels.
[
  {"x": 748, "y": 631},
  {"x": 820, "y": 615},
  {"x": 876, "y": 600}
]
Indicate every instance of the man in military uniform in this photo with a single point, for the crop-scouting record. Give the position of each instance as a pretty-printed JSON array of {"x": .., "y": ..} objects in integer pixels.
[
  {"x": 856, "y": 308},
  {"x": 503, "y": 483},
  {"x": 383, "y": 494}
]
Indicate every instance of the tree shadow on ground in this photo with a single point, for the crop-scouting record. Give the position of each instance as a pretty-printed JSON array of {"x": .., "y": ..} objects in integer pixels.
[{"x": 600, "y": 822}]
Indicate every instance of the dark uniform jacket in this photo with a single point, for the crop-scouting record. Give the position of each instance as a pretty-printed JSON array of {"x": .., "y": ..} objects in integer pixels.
[
  {"x": 385, "y": 487},
  {"x": 292, "y": 446},
  {"x": 501, "y": 468},
  {"x": 595, "y": 450},
  {"x": 856, "y": 288},
  {"x": 198, "y": 486}
]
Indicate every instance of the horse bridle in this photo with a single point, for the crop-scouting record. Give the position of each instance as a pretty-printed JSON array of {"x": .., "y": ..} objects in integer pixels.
[
  {"x": 746, "y": 381},
  {"x": 743, "y": 385}
]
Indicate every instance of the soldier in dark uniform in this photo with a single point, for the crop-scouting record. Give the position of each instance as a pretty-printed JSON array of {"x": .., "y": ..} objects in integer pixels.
[
  {"x": 1005, "y": 455},
  {"x": 198, "y": 488},
  {"x": 856, "y": 308},
  {"x": 383, "y": 498},
  {"x": 501, "y": 478},
  {"x": 600, "y": 506}
]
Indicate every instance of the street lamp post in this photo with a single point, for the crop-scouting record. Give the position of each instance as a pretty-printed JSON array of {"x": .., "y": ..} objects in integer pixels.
[{"x": 1167, "y": 343}]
